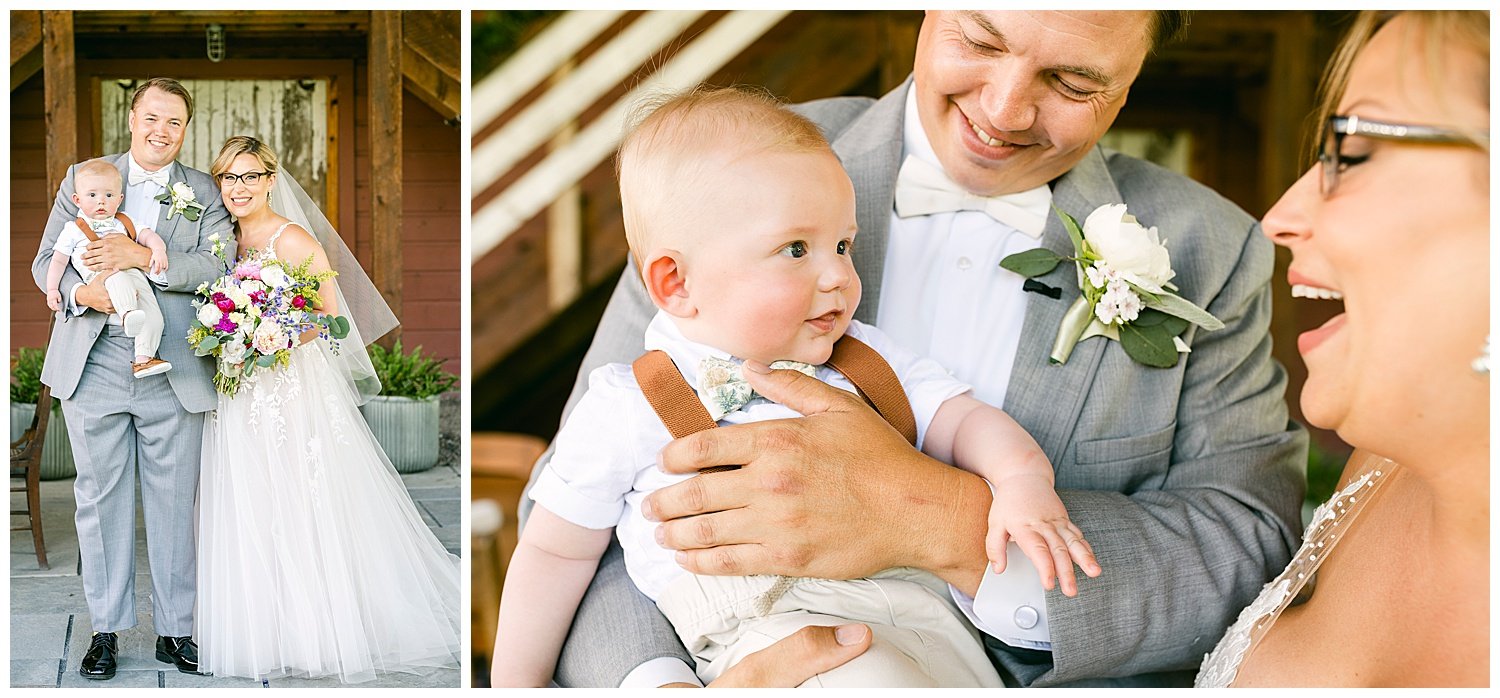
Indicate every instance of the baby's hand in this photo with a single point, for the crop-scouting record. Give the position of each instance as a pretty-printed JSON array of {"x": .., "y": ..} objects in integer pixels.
[
  {"x": 1026, "y": 509},
  {"x": 54, "y": 299},
  {"x": 158, "y": 261}
]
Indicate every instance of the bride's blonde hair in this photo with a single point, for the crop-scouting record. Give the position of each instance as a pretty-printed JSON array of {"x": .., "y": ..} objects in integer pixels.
[{"x": 241, "y": 145}]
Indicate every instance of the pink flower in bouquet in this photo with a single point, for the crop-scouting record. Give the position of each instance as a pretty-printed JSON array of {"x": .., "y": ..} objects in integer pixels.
[
  {"x": 258, "y": 297},
  {"x": 224, "y": 304},
  {"x": 299, "y": 302},
  {"x": 247, "y": 270},
  {"x": 226, "y": 325}
]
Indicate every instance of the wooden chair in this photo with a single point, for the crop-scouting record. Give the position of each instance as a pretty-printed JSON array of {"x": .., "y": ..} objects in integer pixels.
[{"x": 26, "y": 466}]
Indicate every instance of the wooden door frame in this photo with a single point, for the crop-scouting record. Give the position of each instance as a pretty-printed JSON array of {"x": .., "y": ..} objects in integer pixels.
[{"x": 341, "y": 105}]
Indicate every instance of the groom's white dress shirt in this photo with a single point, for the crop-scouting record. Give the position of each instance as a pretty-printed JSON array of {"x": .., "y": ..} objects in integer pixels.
[
  {"x": 944, "y": 296},
  {"x": 144, "y": 211}
]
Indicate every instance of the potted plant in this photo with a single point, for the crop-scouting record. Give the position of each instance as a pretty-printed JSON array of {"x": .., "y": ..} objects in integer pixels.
[
  {"x": 404, "y": 416},
  {"x": 25, "y": 387}
]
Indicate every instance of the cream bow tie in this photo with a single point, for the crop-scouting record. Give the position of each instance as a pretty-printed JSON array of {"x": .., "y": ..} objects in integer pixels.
[
  {"x": 722, "y": 387},
  {"x": 138, "y": 175},
  {"x": 100, "y": 226},
  {"x": 922, "y": 189}
]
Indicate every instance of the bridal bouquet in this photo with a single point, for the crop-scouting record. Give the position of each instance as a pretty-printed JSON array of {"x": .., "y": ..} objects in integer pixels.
[{"x": 252, "y": 318}]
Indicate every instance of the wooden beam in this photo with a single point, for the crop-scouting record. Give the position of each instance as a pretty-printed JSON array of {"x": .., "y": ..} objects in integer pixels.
[
  {"x": 385, "y": 155},
  {"x": 25, "y": 46},
  {"x": 430, "y": 83},
  {"x": 432, "y": 57},
  {"x": 60, "y": 95},
  {"x": 247, "y": 21}
]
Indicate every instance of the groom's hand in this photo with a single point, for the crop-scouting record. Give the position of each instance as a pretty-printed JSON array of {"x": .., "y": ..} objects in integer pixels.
[
  {"x": 114, "y": 252},
  {"x": 94, "y": 295},
  {"x": 837, "y": 494}
]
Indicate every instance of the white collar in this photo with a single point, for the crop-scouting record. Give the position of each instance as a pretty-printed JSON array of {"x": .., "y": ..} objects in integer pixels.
[{"x": 662, "y": 333}]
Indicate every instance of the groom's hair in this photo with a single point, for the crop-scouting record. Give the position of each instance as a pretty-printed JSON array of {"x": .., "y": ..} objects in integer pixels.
[
  {"x": 673, "y": 138},
  {"x": 98, "y": 167},
  {"x": 167, "y": 85}
]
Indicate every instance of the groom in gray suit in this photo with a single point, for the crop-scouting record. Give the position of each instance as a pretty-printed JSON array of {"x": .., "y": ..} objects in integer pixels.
[
  {"x": 1186, "y": 480},
  {"x": 121, "y": 426}
]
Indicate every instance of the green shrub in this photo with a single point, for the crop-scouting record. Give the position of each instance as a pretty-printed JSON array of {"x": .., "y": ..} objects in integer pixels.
[
  {"x": 410, "y": 375},
  {"x": 26, "y": 375}
]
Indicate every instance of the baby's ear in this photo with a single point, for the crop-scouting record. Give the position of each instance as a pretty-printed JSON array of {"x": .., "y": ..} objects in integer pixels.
[{"x": 666, "y": 282}]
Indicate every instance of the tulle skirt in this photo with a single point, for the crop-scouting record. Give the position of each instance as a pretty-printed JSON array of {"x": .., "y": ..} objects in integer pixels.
[{"x": 312, "y": 558}]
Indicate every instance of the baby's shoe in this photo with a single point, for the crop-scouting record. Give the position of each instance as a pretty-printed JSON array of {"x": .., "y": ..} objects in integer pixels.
[
  {"x": 151, "y": 367},
  {"x": 134, "y": 321}
]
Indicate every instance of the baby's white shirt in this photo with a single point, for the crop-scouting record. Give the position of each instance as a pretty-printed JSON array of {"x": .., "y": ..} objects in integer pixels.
[
  {"x": 71, "y": 240},
  {"x": 604, "y": 463}
]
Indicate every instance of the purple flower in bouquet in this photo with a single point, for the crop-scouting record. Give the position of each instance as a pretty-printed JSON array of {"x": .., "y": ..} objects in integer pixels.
[
  {"x": 258, "y": 297},
  {"x": 226, "y": 325}
]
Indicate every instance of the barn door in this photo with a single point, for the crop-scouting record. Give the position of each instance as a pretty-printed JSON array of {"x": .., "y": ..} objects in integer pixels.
[{"x": 289, "y": 115}]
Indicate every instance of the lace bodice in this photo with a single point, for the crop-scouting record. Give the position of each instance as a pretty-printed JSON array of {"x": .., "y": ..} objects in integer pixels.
[
  {"x": 270, "y": 249},
  {"x": 1328, "y": 525}
]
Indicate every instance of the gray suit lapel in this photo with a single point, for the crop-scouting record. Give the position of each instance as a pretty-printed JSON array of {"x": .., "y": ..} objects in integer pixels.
[
  {"x": 870, "y": 150},
  {"x": 1044, "y": 398},
  {"x": 165, "y": 227}
]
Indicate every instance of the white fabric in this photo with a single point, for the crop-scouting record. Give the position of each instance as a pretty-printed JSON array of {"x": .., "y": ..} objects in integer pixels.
[
  {"x": 660, "y": 672},
  {"x": 923, "y": 189},
  {"x": 920, "y": 640},
  {"x": 369, "y": 315},
  {"x": 312, "y": 558},
  {"x": 129, "y": 291},
  {"x": 71, "y": 242},
  {"x": 945, "y": 296},
  {"x": 604, "y": 464},
  {"x": 139, "y": 175},
  {"x": 140, "y": 197}
]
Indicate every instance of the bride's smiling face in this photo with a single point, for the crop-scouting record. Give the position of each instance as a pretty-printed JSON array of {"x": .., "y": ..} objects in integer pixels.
[
  {"x": 1404, "y": 237},
  {"x": 245, "y": 199}
]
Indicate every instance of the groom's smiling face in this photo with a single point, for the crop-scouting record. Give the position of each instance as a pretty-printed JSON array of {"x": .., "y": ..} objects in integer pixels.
[{"x": 157, "y": 123}]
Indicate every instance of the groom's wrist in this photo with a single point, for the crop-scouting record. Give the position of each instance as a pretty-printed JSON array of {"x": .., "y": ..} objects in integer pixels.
[{"x": 951, "y": 546}]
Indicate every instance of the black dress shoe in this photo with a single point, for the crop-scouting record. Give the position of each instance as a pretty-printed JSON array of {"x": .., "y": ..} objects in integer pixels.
[
  {"x": 181, "y": 651},
  {"x": 99, "y": 662}
]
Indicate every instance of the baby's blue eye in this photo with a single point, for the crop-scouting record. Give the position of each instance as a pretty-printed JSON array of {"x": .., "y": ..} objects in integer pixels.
[{"x": 795, "y": 250}]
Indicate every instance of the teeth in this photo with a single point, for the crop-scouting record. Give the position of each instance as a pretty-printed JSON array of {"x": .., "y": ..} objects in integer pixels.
[
  {"x": 984, "y": 136},
  {"x": 1304, "y": 291}
]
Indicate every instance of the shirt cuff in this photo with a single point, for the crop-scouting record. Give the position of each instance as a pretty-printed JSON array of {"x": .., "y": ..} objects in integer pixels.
[
  {"x": 552, "y": 491},
  {"x": 160, "y": 279},
  {"x": 73, "y": 307},
  {"x": 659, "y": 672}
]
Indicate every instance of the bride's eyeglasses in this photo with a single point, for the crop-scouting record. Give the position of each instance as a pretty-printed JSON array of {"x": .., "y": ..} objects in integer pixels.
[
  {"x": 227, "y": 179},
  {"x": 1333, "y": 160}
]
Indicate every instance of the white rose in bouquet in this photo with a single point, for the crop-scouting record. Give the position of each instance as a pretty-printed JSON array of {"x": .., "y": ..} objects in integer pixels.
[
  {"x": 251, "y": 285},
  {"x": 1130, "y": 249},
  {"x": 275, "y": 277},
  {"x": 209, "y": 314},
  {"x": 234, "y": 351},
  {"x": 240, "y": 298},
  {"x": 270, "y": 338}
]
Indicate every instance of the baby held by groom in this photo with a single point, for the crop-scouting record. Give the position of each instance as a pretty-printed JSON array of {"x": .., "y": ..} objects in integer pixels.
[
  {"x": 742, "y": 223},
  {"x": 98, "y": 191}
]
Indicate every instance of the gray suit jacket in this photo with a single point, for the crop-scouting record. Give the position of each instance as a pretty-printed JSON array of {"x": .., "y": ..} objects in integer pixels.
[
  {"x": 190, "y": 262},
  {"x": 1188, "y": 481}
]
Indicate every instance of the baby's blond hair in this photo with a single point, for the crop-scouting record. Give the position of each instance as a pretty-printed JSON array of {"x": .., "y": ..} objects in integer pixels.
[
  {"x": 672, "y": 139},
  {"x": 97, "y": 167}
]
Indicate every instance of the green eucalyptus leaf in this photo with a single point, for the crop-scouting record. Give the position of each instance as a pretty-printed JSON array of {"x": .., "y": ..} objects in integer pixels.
[
  {"x": 1150, "y": 318},
  {"x": 265, "y": 361},
  {"x": 209, "y": 343},
  {"x": 1175, "y": 305},
  {"x": 339, "y": 327},
  {"x": 1151, "y": 345},
  {"x": 1032, "y": 263},
  {"x": 1075, "y": 231}
]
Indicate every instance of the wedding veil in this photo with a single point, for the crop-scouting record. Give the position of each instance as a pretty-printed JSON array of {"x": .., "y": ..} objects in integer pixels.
[{"x": 369, "y": 316}]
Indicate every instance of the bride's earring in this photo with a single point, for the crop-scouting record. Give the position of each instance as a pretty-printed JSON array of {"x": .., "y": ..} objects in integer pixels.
[
  {"x": 268, "y": 197},
  {"x": 1481, "y": 364}
]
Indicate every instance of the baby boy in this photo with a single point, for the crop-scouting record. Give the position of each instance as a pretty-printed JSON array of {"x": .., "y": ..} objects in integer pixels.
[
  {"x": 98, "y": 193},
  {"x": 741, "y": 222}
]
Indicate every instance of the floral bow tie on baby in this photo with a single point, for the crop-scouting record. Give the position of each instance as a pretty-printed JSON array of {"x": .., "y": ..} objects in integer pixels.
[
  {"x": 722, "y": 386},
  {"x": 101, "y": 225}
]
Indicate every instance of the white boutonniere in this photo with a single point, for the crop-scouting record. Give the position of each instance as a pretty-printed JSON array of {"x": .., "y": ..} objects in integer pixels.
[
  {"x": 1124, "y": 273},
  {"x": 181, "y": 199}
]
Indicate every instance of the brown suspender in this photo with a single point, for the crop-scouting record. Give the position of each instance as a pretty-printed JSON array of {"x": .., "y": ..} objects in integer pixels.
[
  {"x": 92, "y": 236},
  {"x": 678, "y": 406}
]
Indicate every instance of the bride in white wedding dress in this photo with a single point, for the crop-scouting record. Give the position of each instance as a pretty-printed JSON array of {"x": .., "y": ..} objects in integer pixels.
[
  {"x": 312, "y": 558},
  {"x": 1394, "y": 224}
]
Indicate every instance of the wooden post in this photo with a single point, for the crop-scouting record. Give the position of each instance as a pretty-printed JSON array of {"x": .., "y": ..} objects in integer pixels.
[
  {"x": 385, "y": 156},
  {"x": 60, "y": 93}
]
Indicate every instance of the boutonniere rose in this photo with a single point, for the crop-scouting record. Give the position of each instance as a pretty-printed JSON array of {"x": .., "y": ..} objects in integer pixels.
[
  {"x": 181, "y": 199},
  {"x": 1124, "y": 275}
]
